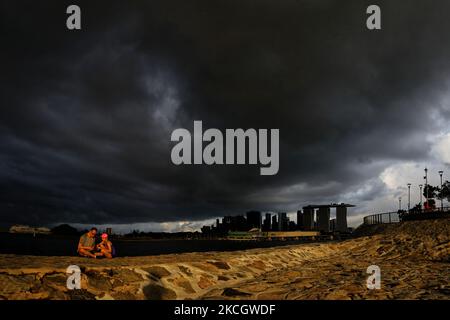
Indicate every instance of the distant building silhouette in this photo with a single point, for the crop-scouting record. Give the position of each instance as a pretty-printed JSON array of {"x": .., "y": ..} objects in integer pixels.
[
  {"x": 206, "y": 229},
  {"x": 341, "y": 219},
  {"x": 323, "y": 219},
  {"x": 307, "y": 220},
  {"x": 274, "y": 223},
  {"x": 333, "y": 225},
  {"x": 234, "y": 223},
  {"x": 322, "y": 223},
  {"x": 292, "y": 226},
  {"x": 283, "y": 221},
  {"x": 254, "y": 219},
  {"x": 267, "y": 226},
  {"x": 299, "y": 220}
]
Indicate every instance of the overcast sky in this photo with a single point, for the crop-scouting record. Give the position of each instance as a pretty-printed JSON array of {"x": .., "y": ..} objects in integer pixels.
[{"x": 86, "y": 116}]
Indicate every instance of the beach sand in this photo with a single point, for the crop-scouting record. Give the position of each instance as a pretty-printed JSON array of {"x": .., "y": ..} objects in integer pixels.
[{"x": 414, "y": 258}]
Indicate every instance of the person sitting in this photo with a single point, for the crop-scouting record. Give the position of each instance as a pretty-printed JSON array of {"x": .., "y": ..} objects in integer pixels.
[
  {"x": 86, "y": 245},
  {"x": 105, "y": 247}
]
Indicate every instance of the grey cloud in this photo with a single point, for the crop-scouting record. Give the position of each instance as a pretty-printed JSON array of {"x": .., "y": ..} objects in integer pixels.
[{"x": 86, "y": 117}]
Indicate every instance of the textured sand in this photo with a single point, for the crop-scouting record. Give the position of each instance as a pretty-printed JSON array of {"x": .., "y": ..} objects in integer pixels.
[{"x": 414, "y": 258}]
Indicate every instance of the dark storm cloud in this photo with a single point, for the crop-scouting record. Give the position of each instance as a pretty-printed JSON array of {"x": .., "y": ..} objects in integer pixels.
[{"x": 86, "y": 116}]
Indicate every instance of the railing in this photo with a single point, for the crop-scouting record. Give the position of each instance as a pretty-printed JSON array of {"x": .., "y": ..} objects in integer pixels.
[
  {"x": 387, "y": 217},
  {"x": 393, "y": 217}
]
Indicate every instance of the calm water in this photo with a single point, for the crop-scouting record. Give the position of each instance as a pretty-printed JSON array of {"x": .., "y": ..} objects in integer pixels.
[{"x": 66, "y": 246}]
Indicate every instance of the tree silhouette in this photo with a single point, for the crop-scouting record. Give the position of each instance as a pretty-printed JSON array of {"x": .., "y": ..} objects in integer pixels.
[
  {"x": 444, "y": 193},
  {"x": 65, "y": 229},
  {"x": 430, "y": 192}
]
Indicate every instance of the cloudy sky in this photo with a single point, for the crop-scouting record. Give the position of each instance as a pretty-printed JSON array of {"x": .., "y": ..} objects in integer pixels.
[{"x": 86, "y": 116}]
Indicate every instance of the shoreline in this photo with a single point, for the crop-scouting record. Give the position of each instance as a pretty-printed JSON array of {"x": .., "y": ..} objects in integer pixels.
[{"x": 66, "y": 246}]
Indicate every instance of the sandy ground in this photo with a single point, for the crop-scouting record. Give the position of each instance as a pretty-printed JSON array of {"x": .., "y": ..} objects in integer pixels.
[{"x": 414, "y": 258}]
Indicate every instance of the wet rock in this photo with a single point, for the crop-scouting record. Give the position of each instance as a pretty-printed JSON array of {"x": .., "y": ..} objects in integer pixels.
[
  {"x": 185, "y": 285},
  {"x": 185, "y": 270},
  {"x": 220, "y": 265},
  {"x": 256, "y": 287},
  {"x": 205, "y": 267},
  {"x": 127, "y": 276},
  {"x": 123, "y": 295},
  {"x": 104, "y": 296},
  {"x": 230, "y": 292},
  {"x": 80, "y": 294},
  {"x": 204, "y": 282},
  {"x": 56, "y": 281},
  {"x": 12, "y": 284},
  {"x": 258, "y": 264},
  {"x": 157, "y": 292},
  {"x": 54, "y": 295},
  {"x": 98, "y": 282},
  {"x": 157, "y": 271},
  {"x": 272, "y": 295}
]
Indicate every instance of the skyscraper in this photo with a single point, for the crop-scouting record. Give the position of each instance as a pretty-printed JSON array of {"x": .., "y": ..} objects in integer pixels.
[
  {"x": 282, "y": 221},
  {"x": 323, "y": 219},
  {"x": 274, "y": 223},
  {"x": 308, "y": 218},
  {"x": 341, "y": 219},
  {"x": 267, "y": 222},
  {"x": 299, "y": 220},
  {"x": 254, "y": 219}
]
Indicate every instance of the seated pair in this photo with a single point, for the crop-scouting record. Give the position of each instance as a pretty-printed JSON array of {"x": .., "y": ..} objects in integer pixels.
[{"x": 88, "y": 248}]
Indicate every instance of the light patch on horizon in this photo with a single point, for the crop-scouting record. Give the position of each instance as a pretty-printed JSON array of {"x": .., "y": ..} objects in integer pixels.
[
  {"x": 172, "y": 226},
  {"x": 442, "y": 148}
]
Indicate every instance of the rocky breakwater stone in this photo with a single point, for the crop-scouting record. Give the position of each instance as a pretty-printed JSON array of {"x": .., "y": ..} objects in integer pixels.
[{"x": 155, "y": 290}]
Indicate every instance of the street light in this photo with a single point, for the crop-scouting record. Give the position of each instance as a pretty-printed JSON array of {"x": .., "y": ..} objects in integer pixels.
[
  {"x": 409, "y": 196},
  {"x": 426, "y": 184},
  {"x": 442, "y": 198},
  {"x": 420, "y": 186}
]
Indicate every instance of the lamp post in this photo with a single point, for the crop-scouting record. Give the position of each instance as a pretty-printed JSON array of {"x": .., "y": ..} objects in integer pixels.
[
  {"x": 426, "y": 185},
  {"x": 399, "y": 203},
  {"x": 420, "y": 186},
  {"x": 409, "y": 196},
  {"x": 442, "y": 198}
]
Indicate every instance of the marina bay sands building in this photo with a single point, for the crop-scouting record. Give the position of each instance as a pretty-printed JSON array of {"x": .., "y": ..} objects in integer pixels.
[{"x": 322, "y": 221}]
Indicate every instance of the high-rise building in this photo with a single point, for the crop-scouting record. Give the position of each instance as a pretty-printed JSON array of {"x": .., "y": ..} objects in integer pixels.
[
  {"x": 332, "y": 225},
  {"x": 254, "y": 219},
  {"x": 292, "y": 226},
  {"x": 323, "y": 219},
  {"x": 267, "y": 222},
  {"x": 274, "y": 223},
  {"x": 308, "y": 218},
  {"x": 234, "y": 223},
  {"x": 282, "y": 221},
  {"x": 240, "y": 223},
  {"x": 299, "y": 220},
  {"x": 206, "y": 229},
  {"x": 341, "y": 219}
]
